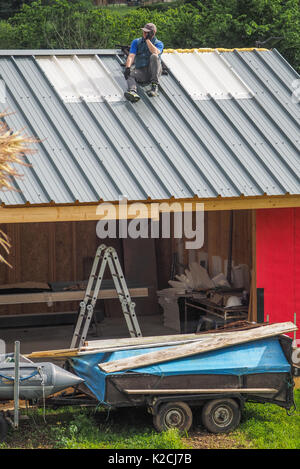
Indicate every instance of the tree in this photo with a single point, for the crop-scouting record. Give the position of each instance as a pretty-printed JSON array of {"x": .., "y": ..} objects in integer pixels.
[
  {"x": 13, "y": 147},
  {"x": 232, "y": 23},
  {"x": 79, "y": 24},
  {"x": 10, "y": 7}
]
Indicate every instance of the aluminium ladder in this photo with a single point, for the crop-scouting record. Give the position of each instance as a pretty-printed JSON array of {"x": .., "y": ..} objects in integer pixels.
[{"x": 104, "y": 255}]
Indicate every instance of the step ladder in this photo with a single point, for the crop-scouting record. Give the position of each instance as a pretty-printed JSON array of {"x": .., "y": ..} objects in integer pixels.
[{"x": 104, "y": 255}]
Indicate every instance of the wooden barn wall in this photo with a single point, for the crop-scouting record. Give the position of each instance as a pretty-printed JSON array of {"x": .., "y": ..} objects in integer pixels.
[
  {"x": 48, "y": 252},
  {"x": 64, "y": 251}
]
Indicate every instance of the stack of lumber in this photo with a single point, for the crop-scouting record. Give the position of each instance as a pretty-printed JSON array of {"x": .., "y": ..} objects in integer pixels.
[
  {"x": 175, "y": 347},
  {"x": 206, "y": 344},
  {"x": 113, "y": 345}
]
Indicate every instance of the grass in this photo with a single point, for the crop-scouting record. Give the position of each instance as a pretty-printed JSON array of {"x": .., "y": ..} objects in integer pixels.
[
  {"x": 70, "y": 428},
  {"x": 120, "y": 9},
  {"x": 268, "y": 426},
  {"x": 84, "y": 435},
  {"x": 262, "y": 427}
]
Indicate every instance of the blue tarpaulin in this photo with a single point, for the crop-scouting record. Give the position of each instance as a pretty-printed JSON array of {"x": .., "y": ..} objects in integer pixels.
[{"x": 261, "y": 356}]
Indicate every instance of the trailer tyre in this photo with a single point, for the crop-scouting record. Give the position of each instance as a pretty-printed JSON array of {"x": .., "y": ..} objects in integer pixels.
[
  {"x": 173, "y": 415},
  {"x": 3, "y": 428},
  {"x": 221, "y": 415}
]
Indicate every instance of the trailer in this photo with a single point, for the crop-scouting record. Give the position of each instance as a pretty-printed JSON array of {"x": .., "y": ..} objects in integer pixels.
[
  {"x": 216, "y": 383},
  {"x": 175, "y": 376}
]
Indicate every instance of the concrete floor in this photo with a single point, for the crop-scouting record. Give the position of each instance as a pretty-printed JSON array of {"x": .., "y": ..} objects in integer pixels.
[{"x": 34, "y": 339}]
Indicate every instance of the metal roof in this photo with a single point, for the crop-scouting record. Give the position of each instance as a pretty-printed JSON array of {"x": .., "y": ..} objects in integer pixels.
[{"x": 224, "y": 124}]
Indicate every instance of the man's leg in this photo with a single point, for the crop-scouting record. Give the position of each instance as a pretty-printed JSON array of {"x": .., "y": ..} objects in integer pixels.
[
  {"x": 131, "y": 82},
  {"x": 136, "y": 75},
  {"x": 131, "y": 94},
  {"x": 154, "y": 70}
]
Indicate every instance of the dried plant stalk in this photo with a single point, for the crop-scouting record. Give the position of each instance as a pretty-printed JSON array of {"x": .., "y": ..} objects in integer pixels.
[{"x": 13, "y": 147}]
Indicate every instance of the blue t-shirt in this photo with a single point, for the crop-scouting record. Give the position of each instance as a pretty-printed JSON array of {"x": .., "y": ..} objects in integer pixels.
[{"x": 133, "y": 48}]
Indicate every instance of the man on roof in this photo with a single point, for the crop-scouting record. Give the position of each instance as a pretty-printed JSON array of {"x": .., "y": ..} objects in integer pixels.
[{"x": 144, "y": 54}]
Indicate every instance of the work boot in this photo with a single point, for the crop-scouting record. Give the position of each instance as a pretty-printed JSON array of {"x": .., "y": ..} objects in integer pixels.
[
  {"x": 132, "y": 96},
  {"x": 154, "y": 90}
]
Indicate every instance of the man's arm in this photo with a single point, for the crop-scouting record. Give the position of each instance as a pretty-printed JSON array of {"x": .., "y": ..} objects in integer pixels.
[
  {"x": 130, "y": 60},
  {"x": 152, "y": 47}
]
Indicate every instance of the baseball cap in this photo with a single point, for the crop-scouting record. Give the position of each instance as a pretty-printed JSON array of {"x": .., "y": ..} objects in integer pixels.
[{"x": 149, "y": 27}]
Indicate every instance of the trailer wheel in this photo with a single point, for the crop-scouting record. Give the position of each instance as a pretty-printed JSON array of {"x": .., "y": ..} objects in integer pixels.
[
  {"x": 221, "y": 415},
  {"x": 3, "y": 428},
  {"x": 173, "y": 415}
]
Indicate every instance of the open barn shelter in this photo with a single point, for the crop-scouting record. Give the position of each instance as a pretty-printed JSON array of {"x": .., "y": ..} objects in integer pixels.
[{"x": 223, "y": 132}]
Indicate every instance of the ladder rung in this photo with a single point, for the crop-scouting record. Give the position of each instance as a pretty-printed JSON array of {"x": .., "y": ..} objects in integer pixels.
[{"x": 85, "y": 315}]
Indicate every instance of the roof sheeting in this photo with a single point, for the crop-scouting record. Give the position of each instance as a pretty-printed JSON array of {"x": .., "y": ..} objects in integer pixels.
[
  {"x": 206, "y": 74},
  {"x": 97, "y": 146},
  {"x": 84, "y": 77}
]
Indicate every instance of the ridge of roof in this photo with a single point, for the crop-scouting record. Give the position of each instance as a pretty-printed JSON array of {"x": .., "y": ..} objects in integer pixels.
[{"x": 41, "y": 52}]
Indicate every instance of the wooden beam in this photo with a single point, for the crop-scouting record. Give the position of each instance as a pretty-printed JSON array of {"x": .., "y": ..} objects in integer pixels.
[
  {"x": 128, "y": 343},
  {"x": 63, "y": 353},
  {"x": 48, "y": 296},
  {"x": 146, "y": 341},
  {"x": 206, "y": 345},
  {"x": 85, "y": 212}
]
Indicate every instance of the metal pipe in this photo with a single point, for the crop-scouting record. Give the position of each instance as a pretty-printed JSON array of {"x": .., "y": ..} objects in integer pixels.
[
  {"x": 16, "y": 384},
  {"x": 203, "y": 391}
]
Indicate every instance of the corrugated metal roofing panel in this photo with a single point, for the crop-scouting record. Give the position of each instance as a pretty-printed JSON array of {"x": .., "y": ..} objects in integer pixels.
[
  {"x": 206, "y": 74},
  {"x": 98, "y": 146},
  {"x": 83, "y": 77}
]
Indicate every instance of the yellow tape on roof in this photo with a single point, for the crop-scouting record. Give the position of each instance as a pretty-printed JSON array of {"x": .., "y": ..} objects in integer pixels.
[{"x": 219, "y": 49}]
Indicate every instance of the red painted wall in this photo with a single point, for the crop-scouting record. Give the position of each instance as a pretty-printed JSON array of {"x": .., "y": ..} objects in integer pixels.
[{"x": 278, "y": 262}]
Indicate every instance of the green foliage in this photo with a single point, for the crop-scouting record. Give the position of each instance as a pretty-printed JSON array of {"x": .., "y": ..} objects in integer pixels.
[
  {"x": 9, "y": 8},
  {"x": 180, "y": 27},
  {"x": 79, "y": 24},
  {"x": 163, "y": 6},
  {"x": 233, "y": 23},
  {"x": 7, "y": 36},
  {"x": 56, "y": 23}
]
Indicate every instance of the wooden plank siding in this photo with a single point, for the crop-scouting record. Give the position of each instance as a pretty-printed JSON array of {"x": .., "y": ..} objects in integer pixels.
[{"x": 47, "y": 252}]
